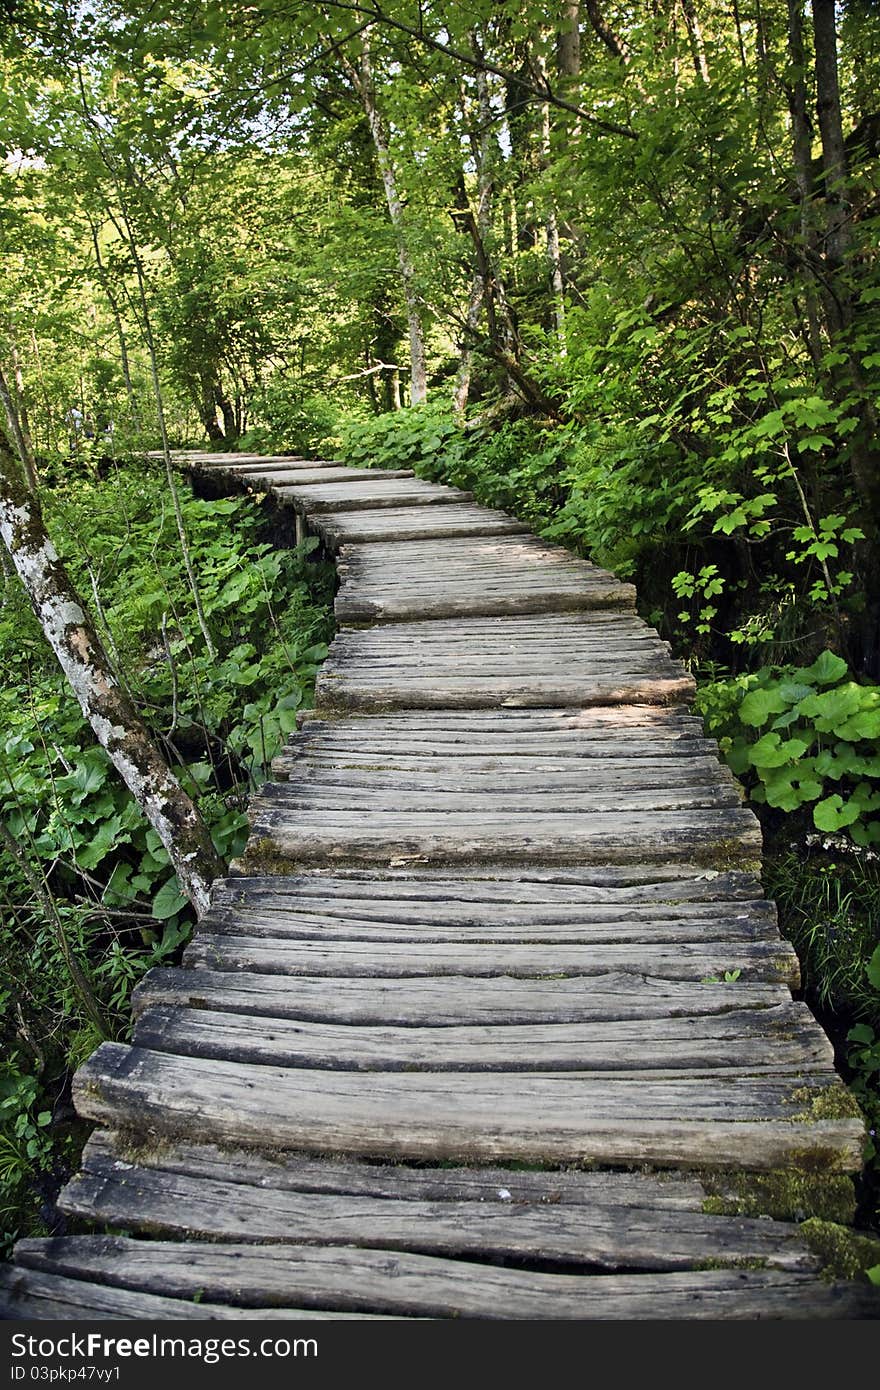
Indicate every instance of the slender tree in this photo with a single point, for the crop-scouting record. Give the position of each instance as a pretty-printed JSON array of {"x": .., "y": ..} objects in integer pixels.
[{"x": 109, "y": 710}]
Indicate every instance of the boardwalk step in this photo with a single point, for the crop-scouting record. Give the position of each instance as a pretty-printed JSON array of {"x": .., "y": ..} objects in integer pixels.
[
  {"x": 748, "y": 1122},
  {"x": 30, "y": 1293},
  {"x": 365, "y": 790},
  {"x": 347, "y": 1278},
  {"x": 629, "y": 1222},
  {"x": 456, "y": 577},
  {"x": 412, "y": 523},
  {"x": 271, "y": 478},
  {"x": 602, "y": 924},
  {"x": 770, "y": 962},
  {"x": 376, "y": 490},
  {"x": 778, "y": 1041},
  {"x": 734, "y": 1192},
  {"x": 487, "y": 662},
  {"x": 453, "y": 999}
]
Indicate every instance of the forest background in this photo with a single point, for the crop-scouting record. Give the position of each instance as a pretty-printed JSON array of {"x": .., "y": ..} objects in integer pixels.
[{"x": 614, "y": 267}]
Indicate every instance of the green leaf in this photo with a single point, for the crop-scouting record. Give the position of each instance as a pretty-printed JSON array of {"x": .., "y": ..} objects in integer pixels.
[
  {"x": 832, "y": 708},
  {"x": 772, "y": 751},
  {"x": 88, "y": 856},
  {"x": 831, "y": 814},
  {"x": 861, "y": 1032},
  {"x": 865, "y": 724},
  {"x": 758, "y": 705},
  {"x": 872, "y": 969},
  {"x": 169, "y": 899},
  {"x": 825, "y": 670}
]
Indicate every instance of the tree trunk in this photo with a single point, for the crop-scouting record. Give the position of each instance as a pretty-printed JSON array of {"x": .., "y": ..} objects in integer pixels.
[
  {"x": 362, "y": 79},
  {"x": 803, "y": 166},
  {"x": 110, "y": 712},
  {"x": 18, "y": 377},
  {"x": 840, "y": 298},
  {"x": 120, "y": 331},
  {"x": 482, "y": 153},
  {"x": 107, "y": 708},
  {"x": 568, "y": 40},
  {"x": 695, "y": 39},
  {"x": 462, "y": 387},
  {"x": 551, "y": 225},
  {"x": 13, "y": 421},
  {"x": 227, "y": 410},
  {"x": 838, "y": 239},
  {"x": 207, "y": 407}
]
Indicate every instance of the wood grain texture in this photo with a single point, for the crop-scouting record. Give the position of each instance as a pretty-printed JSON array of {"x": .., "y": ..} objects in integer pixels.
[
  {"x": 412, "y": 523},
  {"x": 606, "y": 1235},
  {"x": 32, "y": 1294},
  {"x": 451, "y": 999},
  {"x": 377, "y": 490},
  {"x": 455, "y": 577},
  {"x": 748, "y": 1122},
  {"x": 784, "y": 1040},
  {"x": 771, "y": 962},
  {"x": 351, "y": 1279},
  {"x": 494, "y": 659},
  {"x": 293, "y": 1172}
]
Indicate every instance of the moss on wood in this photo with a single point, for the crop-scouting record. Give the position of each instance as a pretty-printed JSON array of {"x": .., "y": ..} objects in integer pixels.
[{"x": 787, "y": 1196}]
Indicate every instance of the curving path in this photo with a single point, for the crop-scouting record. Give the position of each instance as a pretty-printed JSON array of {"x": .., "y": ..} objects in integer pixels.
[{"x": 492, "y": 1019}]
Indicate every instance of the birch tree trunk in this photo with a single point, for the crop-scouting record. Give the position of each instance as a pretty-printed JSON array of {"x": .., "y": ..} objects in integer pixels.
[
  {"x": 362, "y": 80},
  {"x": 109, "y": 710}
]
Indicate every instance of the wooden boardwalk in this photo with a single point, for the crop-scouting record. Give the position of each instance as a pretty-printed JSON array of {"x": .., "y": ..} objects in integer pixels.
[{"x": 492, "y": 1019}]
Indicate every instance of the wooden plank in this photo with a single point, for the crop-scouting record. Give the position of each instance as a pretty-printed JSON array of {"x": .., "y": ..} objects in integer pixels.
[
  {"x": 504, "y": 897},
  {"x": 380, "y": 834},
  {"x": 453, "y": 999},
  {"x": 753, "y": 1123},
  {"x": 378, "y": 491},
  {"x": 615, "y": 926},
  {"x": 280, "y": 462},
  {"x": 780, "y": 1040},
  {"x": 30, "y": 1293},
  {"x": 500, "y": 661},
  {"x": 457, "y": 800},
  {"x": 316, "y": 770},
  {"x": 604, "y": 1235},
  {"x": 108, "y": 1150},
  {"x": 454, "y": 577},
  {"x": 349, "y": 1279},
  {"x": 764, "y": 961},
  {"x": 269, "y": 478},
  {"x": 412, "y": 523}
]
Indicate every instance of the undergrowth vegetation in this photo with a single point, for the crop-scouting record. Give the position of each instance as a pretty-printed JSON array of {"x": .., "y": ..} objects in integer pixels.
[{"x": 90, "y": 899}]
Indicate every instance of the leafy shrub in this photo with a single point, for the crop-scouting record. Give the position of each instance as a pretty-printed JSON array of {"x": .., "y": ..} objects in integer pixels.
[
  {"x": 287, "y": 421},
  {"x": 425, "y": 437},
  {"x": 804, "y": 736}
]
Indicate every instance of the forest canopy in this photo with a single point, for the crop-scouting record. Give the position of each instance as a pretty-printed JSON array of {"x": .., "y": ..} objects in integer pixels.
[{"x": 613, "y": 267}]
